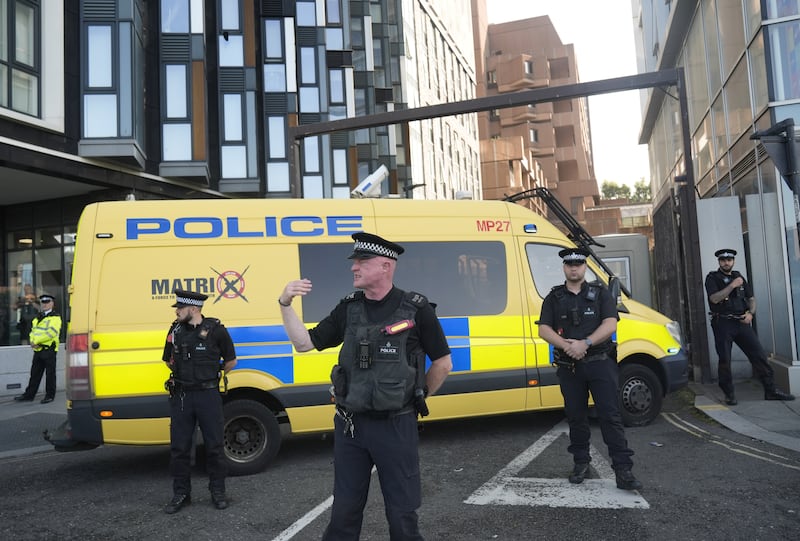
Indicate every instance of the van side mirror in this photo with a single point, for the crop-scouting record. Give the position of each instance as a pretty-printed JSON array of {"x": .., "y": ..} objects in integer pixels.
[{"x": 614, "y": 289}]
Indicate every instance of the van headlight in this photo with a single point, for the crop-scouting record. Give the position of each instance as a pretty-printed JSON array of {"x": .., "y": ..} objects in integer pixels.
[{"x": 674, "y": 330}]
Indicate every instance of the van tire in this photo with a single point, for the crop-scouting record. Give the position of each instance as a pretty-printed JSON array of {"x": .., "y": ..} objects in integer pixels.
[
  {"x": 640, "y": 395},
  {"x": 251, "y": 436}
]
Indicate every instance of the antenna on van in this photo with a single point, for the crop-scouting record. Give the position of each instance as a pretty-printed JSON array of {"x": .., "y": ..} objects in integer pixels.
[{"x": 371, "y": 186}]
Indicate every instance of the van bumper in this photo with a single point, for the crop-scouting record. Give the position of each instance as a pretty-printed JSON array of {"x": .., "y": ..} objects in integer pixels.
[
  {"x": 676, "y": 370},
  {"x": 80, "y": 432}
]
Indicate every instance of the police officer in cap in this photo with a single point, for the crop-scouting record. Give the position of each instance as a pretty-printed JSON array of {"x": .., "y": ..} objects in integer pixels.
[
  {"x": 579, "y": 320},
  {"x": 197, "y": 350},
  {"x": 44, "y": 337},
  {"x": 385, "y": 334},
  {"x": 732, "y": 304}
]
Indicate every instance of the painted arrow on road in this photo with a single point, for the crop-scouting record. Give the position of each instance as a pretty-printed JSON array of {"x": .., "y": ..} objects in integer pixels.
[{"x": 506, "y": 488}]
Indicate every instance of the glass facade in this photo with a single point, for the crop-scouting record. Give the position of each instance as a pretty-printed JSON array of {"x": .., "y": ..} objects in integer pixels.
[
  {"x": 40, "y": 245},
  {"x": 727, "y": 55}
]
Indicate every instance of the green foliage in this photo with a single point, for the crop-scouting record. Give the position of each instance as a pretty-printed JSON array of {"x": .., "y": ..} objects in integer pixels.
[{"x": 612, "y": 190}]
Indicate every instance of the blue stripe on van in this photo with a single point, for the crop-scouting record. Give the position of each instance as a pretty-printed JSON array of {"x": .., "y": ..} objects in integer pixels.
[
  {"x": 455, "y": 326},
  {"x": 280, "y": 367},
  {"x": 260, "y": 333},
  {"x": 456, "y": 329},
  {"x": 277, "y": 359},
  {"x": 264, "y": 350}
]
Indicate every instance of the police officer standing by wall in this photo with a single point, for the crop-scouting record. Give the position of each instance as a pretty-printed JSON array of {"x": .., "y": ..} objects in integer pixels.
[
  {"x": 386, "y": 333},
  {"x": 732, "y": 304},
  {"x": 579, "y": 320},
  {"x": 44, "y": 336},
  {"x": 195, "y": 344}
]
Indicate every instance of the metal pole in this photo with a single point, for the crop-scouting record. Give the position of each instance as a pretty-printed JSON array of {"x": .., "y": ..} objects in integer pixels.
[{"x": 695, "y": 288}]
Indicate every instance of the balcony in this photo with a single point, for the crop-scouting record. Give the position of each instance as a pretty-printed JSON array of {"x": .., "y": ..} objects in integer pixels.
[
  {"x": 541, "y": 152},
  {"x": 512, "y": 116},
  {"x": 525, "y": 81}
]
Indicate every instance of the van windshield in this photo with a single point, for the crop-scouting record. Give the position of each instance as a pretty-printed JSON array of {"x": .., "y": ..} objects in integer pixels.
[{"x": 546, "y": 267}]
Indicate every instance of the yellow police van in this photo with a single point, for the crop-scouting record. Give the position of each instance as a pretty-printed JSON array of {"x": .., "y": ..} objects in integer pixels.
[{"x": 487, "y": 265}]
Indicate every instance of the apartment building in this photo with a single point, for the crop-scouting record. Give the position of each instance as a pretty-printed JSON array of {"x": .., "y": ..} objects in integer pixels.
[
  {"x": 136, "y": 99},
  {"x": 537, "y": 145}
]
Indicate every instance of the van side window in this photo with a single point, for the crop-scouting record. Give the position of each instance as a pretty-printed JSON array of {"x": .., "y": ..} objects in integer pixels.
[
  {"x": 461, "y": 278},
  {"x": 546, "y": 267}
]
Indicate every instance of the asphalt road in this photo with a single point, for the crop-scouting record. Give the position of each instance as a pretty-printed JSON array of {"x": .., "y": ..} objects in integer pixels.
[{"x": 495, "y": 478}]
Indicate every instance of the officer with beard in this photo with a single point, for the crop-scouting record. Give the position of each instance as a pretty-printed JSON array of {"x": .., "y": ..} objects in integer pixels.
[
  {"x": 732, "y": 304},
  {"x": 579, "y": 320},
  {"x": 197, "y": 349}
]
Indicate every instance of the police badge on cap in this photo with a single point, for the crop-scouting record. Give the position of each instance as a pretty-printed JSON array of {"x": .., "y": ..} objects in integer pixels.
[
  {"x": 188, "y": 298},
  {"x": 725, "y": 253},
  {"x": 577, "y": 255},
  {"x": 368, "y": 246}
]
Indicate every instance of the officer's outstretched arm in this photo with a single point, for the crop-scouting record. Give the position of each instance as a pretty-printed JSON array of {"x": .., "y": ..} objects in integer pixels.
[
  {"x": 297, "y": 331},
  {"x": 437, "y": 373}
]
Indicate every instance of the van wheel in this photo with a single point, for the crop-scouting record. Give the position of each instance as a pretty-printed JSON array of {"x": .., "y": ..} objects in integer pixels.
[
  {"x": 251, "y": 435},
  {"x": 640, "y": 395}
]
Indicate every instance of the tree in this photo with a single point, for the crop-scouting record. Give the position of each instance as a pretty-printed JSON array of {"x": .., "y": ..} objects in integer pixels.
[
  {"x": 612, "y": 190},
  {"x": 641, "y": 192}
]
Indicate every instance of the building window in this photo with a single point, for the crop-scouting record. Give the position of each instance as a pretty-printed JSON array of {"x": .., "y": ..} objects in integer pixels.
[
  {"x": 491, "y": 78},
  {"x": 20, "y": 75},
  {"x": 334, "y": 11},
  {"x": 533, "y": 135},
  {"x": 306, "y": 13},
  {"x": 529, "y": 67},
  {"x": 174, "y": 16},
  {"x": 273, "y": 39}
]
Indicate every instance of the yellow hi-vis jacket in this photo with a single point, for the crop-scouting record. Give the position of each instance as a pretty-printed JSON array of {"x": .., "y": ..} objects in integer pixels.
[{"x": 45, "y": 332}]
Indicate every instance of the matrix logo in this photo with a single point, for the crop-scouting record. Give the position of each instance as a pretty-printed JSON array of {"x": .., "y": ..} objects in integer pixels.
[{"x": 228, "y": 284}]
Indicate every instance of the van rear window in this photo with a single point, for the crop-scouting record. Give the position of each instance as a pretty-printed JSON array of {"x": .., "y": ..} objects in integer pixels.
[{"x": 461, "y": 278}]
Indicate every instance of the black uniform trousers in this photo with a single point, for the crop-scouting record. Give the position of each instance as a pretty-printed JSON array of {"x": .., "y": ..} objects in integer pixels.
[
  {"x": 391, "y": 445},
  {"x": 601, "y": 377},
  {"x": 729, "y": 331},
  {"x": 188, "y": 409},
  {"x": 44, "y": 362}
]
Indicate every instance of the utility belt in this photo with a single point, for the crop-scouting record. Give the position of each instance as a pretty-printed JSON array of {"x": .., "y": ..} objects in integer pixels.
[
  {"x": 349, "y": 419},
  {"x": 562, "y": 359},
  {"x": 204, "y": 386},
  {"x": 48, "y": 347},
  {"x": 384, "y": 414},
  {"x": 734, "y": 317}
]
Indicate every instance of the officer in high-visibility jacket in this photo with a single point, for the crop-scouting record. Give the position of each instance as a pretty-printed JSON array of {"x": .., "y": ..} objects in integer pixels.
[{"x": 45, "y": 332}]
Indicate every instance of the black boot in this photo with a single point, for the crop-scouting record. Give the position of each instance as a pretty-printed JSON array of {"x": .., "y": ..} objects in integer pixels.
[
  {"x": 777, "y": 394},
  {"x": 579, "y": 473},
  {"x": 626, "y": 480},
  {"x": 218, "y": 500},
  {"x": 178, "y": 502},
  {"x": 730, "y": 399}
]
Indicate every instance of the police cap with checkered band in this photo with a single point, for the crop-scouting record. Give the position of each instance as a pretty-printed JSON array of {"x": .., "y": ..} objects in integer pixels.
[
  {"x": 368, "y": 246},
  {"x": 573, "y": 254},
  {"x": 188, "y": 298},
  {"x": 725, "y": 253}
]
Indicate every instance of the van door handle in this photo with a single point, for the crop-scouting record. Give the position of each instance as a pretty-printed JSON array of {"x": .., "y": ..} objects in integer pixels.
[{"x": 95, "y": 345}]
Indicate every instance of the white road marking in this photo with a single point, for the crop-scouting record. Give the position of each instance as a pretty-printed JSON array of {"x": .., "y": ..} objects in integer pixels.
[
  {"x": 307, "y": 519},
  {"x": 505, "y": 488},
  {"x": 736, "y": 447},
  {"x": 304, "y": 521}
]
